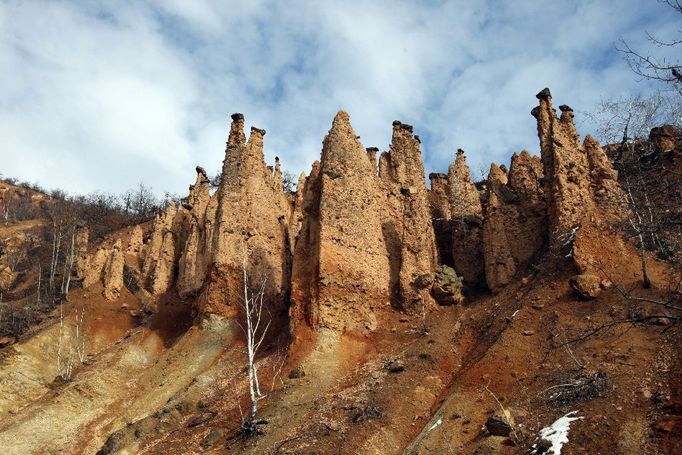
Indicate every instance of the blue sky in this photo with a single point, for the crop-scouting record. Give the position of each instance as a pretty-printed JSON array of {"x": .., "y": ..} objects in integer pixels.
[{"x": 102, "y": 95}]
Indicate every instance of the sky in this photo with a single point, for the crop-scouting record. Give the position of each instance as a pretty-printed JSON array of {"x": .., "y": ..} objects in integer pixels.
[{"x": 101, "y": 95}]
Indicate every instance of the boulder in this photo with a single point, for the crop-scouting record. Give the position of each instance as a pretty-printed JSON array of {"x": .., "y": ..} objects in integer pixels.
[
  {"x": 447, "y": 286},
  {"x": 7, "y": 277},
  {"x": 586, "y": 285},
  {"x": 664, "y": 137},
  {"x": 7, "y": 341}
]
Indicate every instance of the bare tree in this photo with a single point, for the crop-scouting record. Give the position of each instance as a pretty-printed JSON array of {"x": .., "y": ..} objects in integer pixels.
[
  {"x": 252, "y": 305},
  {"x": 663, "y": 65},
  {"x": 653, "y": 190},
  {"x": 289, "y": 182},
  {"x": 631, "y": 118}
]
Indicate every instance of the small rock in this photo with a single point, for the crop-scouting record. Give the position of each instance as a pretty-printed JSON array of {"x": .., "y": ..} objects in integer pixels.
[
  {"x": 538, "y": 306},
  {"x": 497, "y": 427},
  {"x": 529, "y": 332},
  {"x": 211, "y": 437},
  {"x": 297, "y": 372},
  {"x": 394, "y": 366},
  {"x": 660, "y": 321},
  {"x": 6, "y": 341},
  {"x": 447, "y": 286},
  {"x": 668, "y": 423},
  {"x": 199, "y": 419}
]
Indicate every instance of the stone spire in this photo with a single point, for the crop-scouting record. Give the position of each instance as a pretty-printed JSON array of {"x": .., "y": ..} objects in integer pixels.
[
  {"x": 566, "y": 169},
  {"x": 500, "y": 267},
  {"x": 466, "y": 222},
  {"x": 408, "y": 223},
  {"x": 252, "y": 216},
  {"x": 464, "y": 197},
  {"x": 341, "y": 270}
]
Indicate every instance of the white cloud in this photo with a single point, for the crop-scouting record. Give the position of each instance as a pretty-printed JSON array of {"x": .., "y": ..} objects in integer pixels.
[{"x": 100, "y": 97}]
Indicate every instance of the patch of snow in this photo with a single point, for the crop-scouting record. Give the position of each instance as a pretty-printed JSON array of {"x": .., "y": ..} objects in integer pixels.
[
  {"x": 557, "y": 433},
  {"x": 436, "y": 424},
  {"x": 570, "y": 236}
]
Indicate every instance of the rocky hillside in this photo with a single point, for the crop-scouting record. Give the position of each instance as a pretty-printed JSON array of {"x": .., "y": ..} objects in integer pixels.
[{"x": 537, "y": 308}]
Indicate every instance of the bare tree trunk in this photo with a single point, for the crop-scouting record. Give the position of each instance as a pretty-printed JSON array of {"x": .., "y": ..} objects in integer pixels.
[
  {"x": 40, "y": 273},
  {"x": 68, "y": 266},
  {"x": 253, "y": 310},
  {"x": 638, "y": 227},
  {"x": 56, "y": 246}
]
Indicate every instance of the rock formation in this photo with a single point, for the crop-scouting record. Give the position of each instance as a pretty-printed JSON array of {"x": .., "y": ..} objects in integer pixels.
[
  {"x": 135, "y": 242},
  {"x": 341, "y": 271},
  {"x": 583, "y": 196},
  {"x": 362, "y": 234},
  {"x": 500, "y": 215},
  {"x": 251, "y": 218},
  {"x": 407, "y": 227},
  {"x": 195, "y": 254},
  {"x": 160, "y": 261},
  {"x": 574, "y": 173},
  {"x": 514, "y": 223},
  {"x": 95, "y": 266},
  {"x": 296, "y": 217},
  {"x": 440, "y": 214},
  {"x": 566, "y": 169},
  {"x": 113, "y": 273},
  {"x": 81, "y": 246},
  {"x": 466, "y": 222},
  {"x": 525, "y": 180}
]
